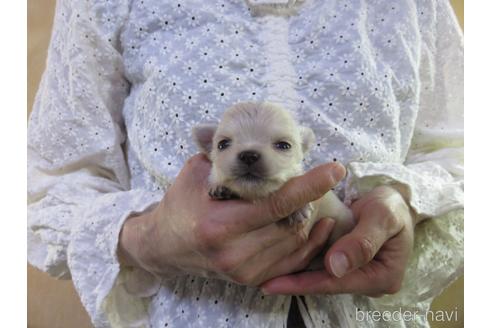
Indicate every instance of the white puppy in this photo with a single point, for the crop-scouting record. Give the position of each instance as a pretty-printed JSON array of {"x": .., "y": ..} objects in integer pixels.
[{"x": 254, "y": 150}]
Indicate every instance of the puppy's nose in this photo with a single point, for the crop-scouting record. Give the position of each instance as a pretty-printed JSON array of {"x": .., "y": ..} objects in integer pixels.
[{"x": 249, "y": 157}]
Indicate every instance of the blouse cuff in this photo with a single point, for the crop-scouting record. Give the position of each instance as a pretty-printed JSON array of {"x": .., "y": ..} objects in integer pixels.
[
  {"x": 92, "y": 252},
  {"x": 45, "y": 254},
  {"x": 429, "y": 189}
]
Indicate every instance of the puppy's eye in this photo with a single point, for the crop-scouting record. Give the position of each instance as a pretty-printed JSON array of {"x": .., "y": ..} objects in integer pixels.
[
  {"x": 282, "y": 145},
  {"x": 223, "y": 144}
]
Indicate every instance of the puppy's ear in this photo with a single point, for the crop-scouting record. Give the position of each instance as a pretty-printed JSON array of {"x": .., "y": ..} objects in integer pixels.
[
  {"x": 307, "y": 138},
  {"x": 203, "y": 135}
]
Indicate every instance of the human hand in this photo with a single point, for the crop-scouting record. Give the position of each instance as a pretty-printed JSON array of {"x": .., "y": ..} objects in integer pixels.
[
  {"x": 370, "y": 260},
  {"x": 236, "y": 240}
]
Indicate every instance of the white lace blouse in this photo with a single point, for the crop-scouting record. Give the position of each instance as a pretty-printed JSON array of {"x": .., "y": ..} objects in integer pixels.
[{"x": 380, "y": 82}]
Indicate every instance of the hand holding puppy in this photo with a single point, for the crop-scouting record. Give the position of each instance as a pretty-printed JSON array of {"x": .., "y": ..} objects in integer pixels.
[
  {"x": 237, "y": 240},
  {"x": 370, "y": 260}
]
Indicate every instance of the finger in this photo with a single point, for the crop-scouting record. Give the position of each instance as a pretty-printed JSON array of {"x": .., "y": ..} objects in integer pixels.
[
  {"x": 251, "y": 243},
  {"x": 196, "y": 171},
  {"x": 370, "y": 280},
  {"x": 301, "y": 258},
  {"x": 293, "y": 195},
  {"x": 359, "y": 247},
  {"x": 253, "y": 270}
]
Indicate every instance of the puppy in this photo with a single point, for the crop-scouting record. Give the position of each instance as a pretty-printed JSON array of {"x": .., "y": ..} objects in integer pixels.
[{"x": 254, "y": 150}]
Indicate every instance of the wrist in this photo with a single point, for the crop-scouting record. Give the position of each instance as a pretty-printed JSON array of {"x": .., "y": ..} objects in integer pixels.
[{"x": 133, "y": 245}]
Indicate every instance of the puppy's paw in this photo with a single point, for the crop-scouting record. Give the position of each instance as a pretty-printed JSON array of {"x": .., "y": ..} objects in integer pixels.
[
  {"x": 301, "y": 214},
  {"x": 222, "y": 193}
]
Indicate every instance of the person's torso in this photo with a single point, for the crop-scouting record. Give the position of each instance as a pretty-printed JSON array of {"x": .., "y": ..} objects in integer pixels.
[{"x": 347, "y": 69}]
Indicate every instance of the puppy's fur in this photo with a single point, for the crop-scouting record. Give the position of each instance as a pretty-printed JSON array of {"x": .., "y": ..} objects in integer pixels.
[{"x": 254, "y": 150}]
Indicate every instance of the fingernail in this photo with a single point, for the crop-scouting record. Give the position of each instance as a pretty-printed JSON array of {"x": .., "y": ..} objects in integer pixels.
[
  {"x": 339, "y": 172},
  {"x": 339, "y": 264},
  {"x": 329, "y": 223}
]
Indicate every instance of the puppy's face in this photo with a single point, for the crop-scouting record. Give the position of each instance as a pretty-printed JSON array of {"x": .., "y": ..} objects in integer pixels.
[{"x": 255, "y": 149}]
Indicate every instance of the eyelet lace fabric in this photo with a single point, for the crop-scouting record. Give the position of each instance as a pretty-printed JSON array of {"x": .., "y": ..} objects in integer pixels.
[{"x": 380, "y": 82}]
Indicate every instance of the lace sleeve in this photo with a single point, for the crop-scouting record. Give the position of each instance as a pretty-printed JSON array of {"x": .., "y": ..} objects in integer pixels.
[
  {"x": 432, "y": 174},
  {"x": 78, "y": 181}
]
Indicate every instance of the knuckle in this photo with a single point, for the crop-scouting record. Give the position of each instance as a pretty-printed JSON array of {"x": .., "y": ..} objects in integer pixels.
[
  {"x": 314, "y": 186},
  {"x": 383, "y": 215},
  {"x": 393, "y": 287},
  {"x": 380, "y": 207},
  {"x": 209, "y": 235},
  {"x": 245, "y": 278},
  {"x": 316, "y": 191},
  {"x": 387, "y": 214},
  {"x": 391, "y": 223},
  {"x": 279, "y": 206},
  {"x": 301, "y": 237},
  {"x": 224, "y": 263},
  {"x": 392, "y": 220},
  {"x": 318, "y": 187},
  {"x": 367, "y": 249}
]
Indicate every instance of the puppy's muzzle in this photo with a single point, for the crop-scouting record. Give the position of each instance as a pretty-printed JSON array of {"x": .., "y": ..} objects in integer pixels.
[{"x": 249, "y": 157}]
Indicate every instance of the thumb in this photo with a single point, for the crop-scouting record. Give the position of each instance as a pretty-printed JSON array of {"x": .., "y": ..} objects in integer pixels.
[
  {"x": 195, "y": 171},
  {"x": 355, "y": 249}
]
